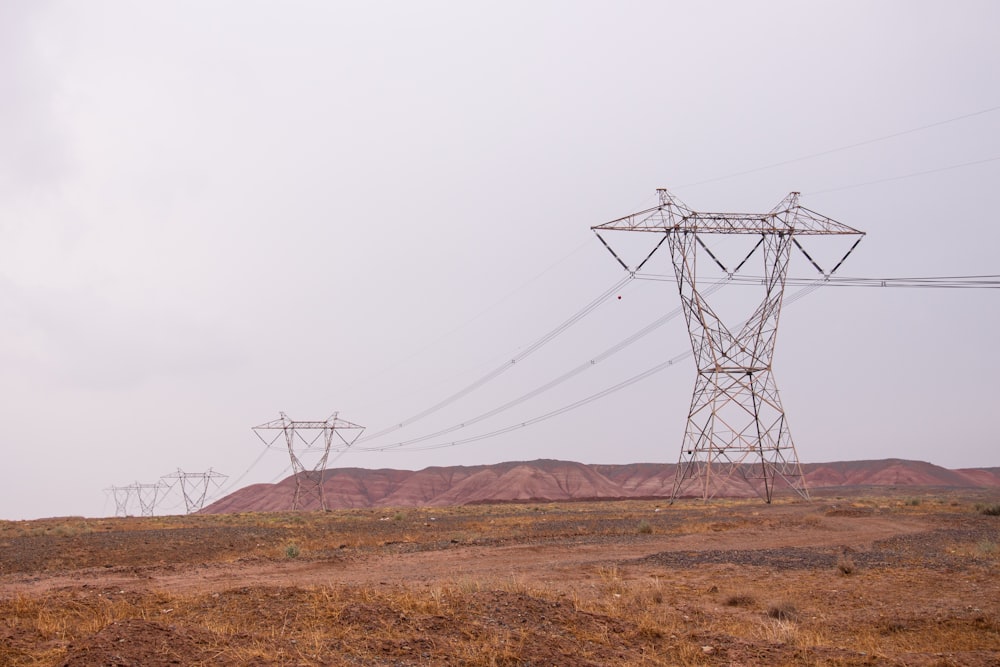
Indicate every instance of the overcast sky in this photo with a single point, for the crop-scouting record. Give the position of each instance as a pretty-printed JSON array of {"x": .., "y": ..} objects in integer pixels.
[{"x": 211, "y": 212}]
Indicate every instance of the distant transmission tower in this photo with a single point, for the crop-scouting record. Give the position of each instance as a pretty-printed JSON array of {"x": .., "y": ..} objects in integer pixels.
[
  {"x": 309, "y": 437},
  {"x": 736, "y": 427},
  {"x": 148, "y": 495},
  {"x": 195, "y": 486},
  {"x": 121, "y": 494}
]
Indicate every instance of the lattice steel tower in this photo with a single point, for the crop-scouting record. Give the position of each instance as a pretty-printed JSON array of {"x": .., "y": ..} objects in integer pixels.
[
  {"x": 310, "y": 436},
  {"x": 736, "y": 426},
  {"x": 121, "y": 495},
  {"x": 147, "y": 495},
  {"x": 195, "y": 486}
]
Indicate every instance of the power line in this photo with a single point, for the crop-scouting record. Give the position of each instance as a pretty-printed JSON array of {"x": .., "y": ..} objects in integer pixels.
[
  {"x": 478, "y": 315},
  {"x": 811, "y": 287},
  {"x": 940, "y": 282},
  {"x": 937, "y": 282},
  {"x": 551, "y": 384},
  {"x": 495, "y": 373},
  {"x": 849, "y": 147},
  {"x": 225, "y": 490},
  {"x": 989, "y": 281},
  {"x": 904, "y": 176},
  {"x": 554, "y": 413}
]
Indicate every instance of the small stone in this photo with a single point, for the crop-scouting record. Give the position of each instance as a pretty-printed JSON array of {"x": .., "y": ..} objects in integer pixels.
[{"x": 707, "y": 649}]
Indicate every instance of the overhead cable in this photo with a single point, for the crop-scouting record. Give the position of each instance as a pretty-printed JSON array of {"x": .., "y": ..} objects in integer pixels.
[
  {"x": 811, "y": 287},
  {"x": 590, "y": 363},
  {"x": 496, "y": 372},
  {"x": 903, "y": 176},
  {"x": 845, "y": 148},
  {"x": 939, "y": 282}
]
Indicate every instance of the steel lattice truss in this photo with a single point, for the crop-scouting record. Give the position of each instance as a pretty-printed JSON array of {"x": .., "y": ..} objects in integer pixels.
[
  {"x": 309, "y": 436},
  {"x": 147, "y": 495},
  {"x": 195, "y": 486},
  {"x": 121, "y": 495},
  {"x": 736, "y": 427}
]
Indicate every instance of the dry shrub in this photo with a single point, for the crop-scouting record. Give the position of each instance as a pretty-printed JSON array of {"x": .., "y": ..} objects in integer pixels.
[
  {"x": 741, "y": 599},
  {"x": 611, "y": 576},
  {"x": 990, "y": 510},
  {"x": 656, "y": 596},
  {"x": 893, "y": 626},
  {"x": 782, "y": 611},
  {"x": 845, "y": 564}
]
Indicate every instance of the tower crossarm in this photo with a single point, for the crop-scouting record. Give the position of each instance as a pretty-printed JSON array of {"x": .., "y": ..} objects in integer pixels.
[
  {"x": 672, "y": 216},
  {"x": 285, "y": 423},
  {"x": 656, "y": 219}
]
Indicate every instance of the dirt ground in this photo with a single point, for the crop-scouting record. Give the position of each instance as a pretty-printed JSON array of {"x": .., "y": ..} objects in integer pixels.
[{"x": 856, "y": 579}]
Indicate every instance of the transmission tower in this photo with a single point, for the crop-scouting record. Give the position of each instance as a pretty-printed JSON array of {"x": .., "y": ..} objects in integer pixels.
[
  {"x": 148, "y": 494},
  {"x": 195, "y": 486},
  {"x": 121, "y": 494},
  {"x": 736, "y": 426},
  {"x": 309, "y": 437}
]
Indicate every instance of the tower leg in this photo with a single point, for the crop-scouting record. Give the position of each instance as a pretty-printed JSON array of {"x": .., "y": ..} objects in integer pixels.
[
  {"x": 309, "y": 488},
  {"x": 737, "y": 435},
  {"x": 736, "y": 430},
  {"x": 309, "y": 481}
]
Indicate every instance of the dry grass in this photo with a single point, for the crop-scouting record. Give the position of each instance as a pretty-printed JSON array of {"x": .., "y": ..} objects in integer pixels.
[
  {"x": 367, "y": 624},
  {"x": 614, "y": 613},
  {"x": 363, "y": 624},
  {"x": 992, "y": 509}
]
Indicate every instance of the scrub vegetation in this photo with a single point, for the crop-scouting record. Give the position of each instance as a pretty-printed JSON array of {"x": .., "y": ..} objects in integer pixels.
[{"x": 722, "y": 583}]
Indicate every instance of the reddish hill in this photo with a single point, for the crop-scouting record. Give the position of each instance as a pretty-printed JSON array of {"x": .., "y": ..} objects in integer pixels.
[
  {"x": 888, "y": 472},
  {"x": 548, "y": 480},
  {"x": 535, "y": 480},
  {"x": 981, "y": 476},
  {"x": 641, "y": 479}
]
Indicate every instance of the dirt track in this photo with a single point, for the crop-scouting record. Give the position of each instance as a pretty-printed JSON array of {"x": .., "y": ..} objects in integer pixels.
[
  {"x": 700, "y": 576},
  {"x": 540, "y": 560}
]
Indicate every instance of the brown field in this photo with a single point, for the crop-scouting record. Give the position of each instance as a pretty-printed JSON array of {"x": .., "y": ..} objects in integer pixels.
[{"x": 857, "y": 579}]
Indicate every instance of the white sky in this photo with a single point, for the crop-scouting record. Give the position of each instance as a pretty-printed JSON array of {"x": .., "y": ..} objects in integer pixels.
[{"x": 213, "y": 211}]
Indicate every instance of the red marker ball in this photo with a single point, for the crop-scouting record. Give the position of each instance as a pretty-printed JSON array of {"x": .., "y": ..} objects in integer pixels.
[{"x": 619, "y": 297}]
